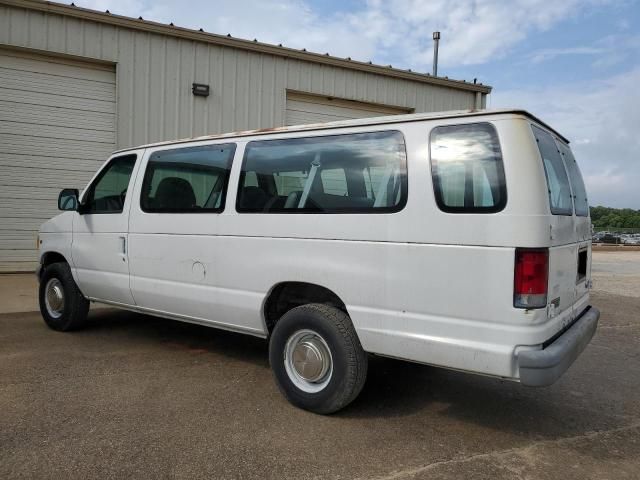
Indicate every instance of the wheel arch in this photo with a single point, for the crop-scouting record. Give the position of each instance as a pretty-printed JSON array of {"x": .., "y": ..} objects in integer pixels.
[
  {"x": 286, "y": 295},
  {"x": 50, "y": 257}
]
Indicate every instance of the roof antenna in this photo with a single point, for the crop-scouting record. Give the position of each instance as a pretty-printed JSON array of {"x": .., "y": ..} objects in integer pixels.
[{"x": 436, "y": 41}]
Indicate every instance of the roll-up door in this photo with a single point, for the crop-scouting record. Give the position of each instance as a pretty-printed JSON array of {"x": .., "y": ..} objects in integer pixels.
[{"x": 57, "y": 125}]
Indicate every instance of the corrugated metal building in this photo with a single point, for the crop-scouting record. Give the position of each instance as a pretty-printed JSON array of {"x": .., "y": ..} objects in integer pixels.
[{"x": 76, "y": 84}]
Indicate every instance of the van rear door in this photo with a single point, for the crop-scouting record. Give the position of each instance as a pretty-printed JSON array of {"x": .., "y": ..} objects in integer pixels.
[
  {"x": 582, "y": 224},
  {"x": 570, "y": 226}
]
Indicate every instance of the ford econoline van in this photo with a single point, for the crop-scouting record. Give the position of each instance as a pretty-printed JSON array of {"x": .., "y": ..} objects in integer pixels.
[{"x": 458, "y": 239}]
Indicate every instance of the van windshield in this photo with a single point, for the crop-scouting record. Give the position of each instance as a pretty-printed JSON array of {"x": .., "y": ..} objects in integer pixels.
[{"x": 575, "y": 179}]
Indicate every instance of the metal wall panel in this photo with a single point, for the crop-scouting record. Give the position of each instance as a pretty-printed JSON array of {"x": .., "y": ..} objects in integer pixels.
[
  {"x": 303, "y": 109},
  {"x": 248, "y": 89},
  {"x": 152, "y": 102}
]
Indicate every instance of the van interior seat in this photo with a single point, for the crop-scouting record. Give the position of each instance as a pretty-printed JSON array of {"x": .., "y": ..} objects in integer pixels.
[
  {"x": 110, "y": 203},
  {"x": 175, "y": 192},
  {"x": 253, "y": 198},
  {"x": 329, "y": 201}
]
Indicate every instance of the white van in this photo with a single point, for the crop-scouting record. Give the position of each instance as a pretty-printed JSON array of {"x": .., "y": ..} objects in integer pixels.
[{"x": 457, "y": 239}]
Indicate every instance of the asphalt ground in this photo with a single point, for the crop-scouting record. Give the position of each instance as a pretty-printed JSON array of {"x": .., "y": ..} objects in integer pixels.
[{"x": 132, "y": 396}]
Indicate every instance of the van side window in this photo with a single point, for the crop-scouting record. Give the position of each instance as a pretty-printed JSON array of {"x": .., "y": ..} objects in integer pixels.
[
  {"x": 560, "y": 198},
  {"x": 575, "y": 179},
  {"x": 359, "y": 173},
  {"x": 187, "y": 180},
  {"x": 467, "y": 169},
  {"x": 109, "y": 190}
]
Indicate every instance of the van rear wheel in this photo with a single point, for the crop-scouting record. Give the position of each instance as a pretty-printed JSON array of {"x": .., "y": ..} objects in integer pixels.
[
  {"x": 317, "y": 359},
  {"x": 62, "y": 305}
]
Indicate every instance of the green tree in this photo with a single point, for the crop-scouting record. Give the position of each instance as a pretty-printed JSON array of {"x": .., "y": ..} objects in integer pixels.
[{"x": 603, "y": 217}]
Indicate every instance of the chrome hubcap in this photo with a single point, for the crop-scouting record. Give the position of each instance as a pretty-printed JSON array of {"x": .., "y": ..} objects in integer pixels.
[
  {"x": 54, "y": 298},
  {"x": 308, "y": 361}
]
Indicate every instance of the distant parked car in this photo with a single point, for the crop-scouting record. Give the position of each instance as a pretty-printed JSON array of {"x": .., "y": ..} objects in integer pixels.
[{"x": 609, "y": 238}]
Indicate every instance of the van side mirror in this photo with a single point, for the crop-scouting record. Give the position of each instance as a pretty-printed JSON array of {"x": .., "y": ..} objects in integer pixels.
[{"x": 68, "y": 199}]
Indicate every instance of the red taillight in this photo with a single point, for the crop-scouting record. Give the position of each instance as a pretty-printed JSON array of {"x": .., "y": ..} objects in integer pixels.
[{"x": 531, "y": 278}]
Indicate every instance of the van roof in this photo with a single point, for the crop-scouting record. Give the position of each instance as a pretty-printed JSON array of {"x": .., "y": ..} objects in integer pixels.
[{"x": 359, "y": 122}]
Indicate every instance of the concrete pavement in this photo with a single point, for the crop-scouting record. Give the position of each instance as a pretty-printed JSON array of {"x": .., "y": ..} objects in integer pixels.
[{"x": 18, "y": 293}]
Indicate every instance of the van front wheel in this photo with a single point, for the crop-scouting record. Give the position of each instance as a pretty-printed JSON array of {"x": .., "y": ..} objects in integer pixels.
[
  {"x": 62, "y": 305},
  {"x": 317, "y": 359}
]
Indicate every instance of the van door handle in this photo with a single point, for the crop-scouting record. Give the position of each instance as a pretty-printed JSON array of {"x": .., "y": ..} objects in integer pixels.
[{"x": 124, "y": 245}]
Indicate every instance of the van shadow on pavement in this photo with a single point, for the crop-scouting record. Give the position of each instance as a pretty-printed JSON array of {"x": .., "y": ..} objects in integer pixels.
[{"x": 574, "y": 405}]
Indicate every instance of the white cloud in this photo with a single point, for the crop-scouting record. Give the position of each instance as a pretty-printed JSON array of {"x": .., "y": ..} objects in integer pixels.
[
  {"x": 551, "y": 53},
  {"x": 130, "y": 8},
  {"x": 617, "y": 50},
  {"x": 624, "y": 24},
  {"x": 473, "y": 31},
  {"x": 601, "y": 118},
  {"x": 610, "y": 50}
]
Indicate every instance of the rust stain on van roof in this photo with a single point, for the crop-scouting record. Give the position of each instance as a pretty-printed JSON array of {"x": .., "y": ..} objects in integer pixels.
[{"x": 360, "y": 122}]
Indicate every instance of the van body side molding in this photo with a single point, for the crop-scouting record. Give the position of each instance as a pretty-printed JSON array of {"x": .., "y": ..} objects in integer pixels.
[
  {"x": 540, "y": 368},
  {"x": 182, "y": 318}
]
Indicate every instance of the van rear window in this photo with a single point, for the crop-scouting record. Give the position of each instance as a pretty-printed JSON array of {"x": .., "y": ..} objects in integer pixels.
[
  {"x": 352, "y": 173},
  {"x": 560, "y": 199},
  {"x": 467, "y": 169},
  {"x": 580, "y": 200}
]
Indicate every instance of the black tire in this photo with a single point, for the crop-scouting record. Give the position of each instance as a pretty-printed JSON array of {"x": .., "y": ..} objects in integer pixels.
[
  {"x": 76, "y": 306},
  {"x": 349, "y": 366}
]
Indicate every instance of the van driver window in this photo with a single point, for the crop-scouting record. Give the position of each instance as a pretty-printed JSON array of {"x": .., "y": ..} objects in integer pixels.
[{"x": 108, "y": 192}]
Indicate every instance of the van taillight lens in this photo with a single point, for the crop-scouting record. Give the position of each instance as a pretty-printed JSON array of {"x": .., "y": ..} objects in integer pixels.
[{"x": 531, "y": 278}]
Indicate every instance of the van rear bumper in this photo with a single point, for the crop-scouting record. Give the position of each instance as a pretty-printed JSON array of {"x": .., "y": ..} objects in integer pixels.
[{"x": 539, "y": 368}]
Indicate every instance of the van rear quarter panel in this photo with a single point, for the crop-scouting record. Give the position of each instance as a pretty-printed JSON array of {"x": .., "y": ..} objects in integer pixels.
[{"x": 419, "y": 284}]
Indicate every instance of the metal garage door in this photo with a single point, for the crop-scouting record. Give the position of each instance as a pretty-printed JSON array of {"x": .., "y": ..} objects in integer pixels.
[
  {"x": 57, "y": 125},
  {"x": 303, "y": 108}
]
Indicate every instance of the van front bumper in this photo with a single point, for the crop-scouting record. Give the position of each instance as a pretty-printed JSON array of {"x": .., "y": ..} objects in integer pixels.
[{"x": 539, "y": 368}]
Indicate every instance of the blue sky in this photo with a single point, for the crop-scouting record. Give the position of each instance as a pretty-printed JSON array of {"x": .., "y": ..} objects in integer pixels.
[{"x": 574, "y": 63}]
